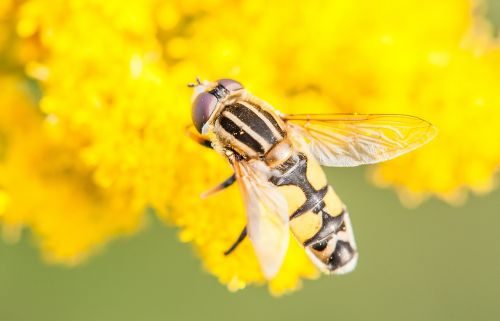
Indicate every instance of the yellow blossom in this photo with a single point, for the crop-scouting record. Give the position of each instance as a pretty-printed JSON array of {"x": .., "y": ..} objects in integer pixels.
[
  {"x": 94, "y": 106},
  {"x": 45, "y": 186}
]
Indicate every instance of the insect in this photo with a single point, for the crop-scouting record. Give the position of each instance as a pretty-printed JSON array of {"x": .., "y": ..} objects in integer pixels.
[{"x": 277, "y": 161}]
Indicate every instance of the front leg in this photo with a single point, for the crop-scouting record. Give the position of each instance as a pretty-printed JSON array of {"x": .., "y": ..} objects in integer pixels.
[
  {"x": 204, "y": 141},
  {"x": 225, "y": 184},
  {"x": 200, "y": 139}
]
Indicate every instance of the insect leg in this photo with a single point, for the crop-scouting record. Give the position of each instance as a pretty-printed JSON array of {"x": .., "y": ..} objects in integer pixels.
[
  {"x": 233, "y": 247},
  {"x": 200, "y": 139},
  {"x": 225, "y": 184},
  {"x": 233, "y": 159}
]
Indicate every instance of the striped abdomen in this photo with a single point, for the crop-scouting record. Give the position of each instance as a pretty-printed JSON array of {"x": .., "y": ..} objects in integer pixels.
[
  {"x": 249, "y": 130},
  {"x": 318, "y": 218}
]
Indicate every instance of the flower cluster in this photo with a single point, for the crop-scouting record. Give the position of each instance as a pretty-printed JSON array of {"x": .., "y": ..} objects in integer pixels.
[{"x": 94, "y": 105}]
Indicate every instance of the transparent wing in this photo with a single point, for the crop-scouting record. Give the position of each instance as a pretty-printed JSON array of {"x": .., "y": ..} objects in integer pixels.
[
  {"x": 267, "y": 215},
  {"x": 345, "y": 140}
]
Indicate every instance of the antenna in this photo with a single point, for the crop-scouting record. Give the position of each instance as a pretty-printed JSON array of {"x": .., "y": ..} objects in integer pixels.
[{"x": 192, "y": 85}]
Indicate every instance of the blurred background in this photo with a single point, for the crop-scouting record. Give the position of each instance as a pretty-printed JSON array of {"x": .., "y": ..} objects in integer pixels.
[
  {"x": 434, "y": 263},
  {"x": 435, "y": 260}
]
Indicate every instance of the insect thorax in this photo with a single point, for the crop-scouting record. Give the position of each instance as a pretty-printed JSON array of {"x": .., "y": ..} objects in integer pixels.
[{"x": 250, "y": 130}]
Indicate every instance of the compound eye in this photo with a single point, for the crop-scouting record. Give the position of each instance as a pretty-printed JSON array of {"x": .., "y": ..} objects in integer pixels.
[
  {"x": 203, "y": 106},
  {"x": 229, "y": 84}
]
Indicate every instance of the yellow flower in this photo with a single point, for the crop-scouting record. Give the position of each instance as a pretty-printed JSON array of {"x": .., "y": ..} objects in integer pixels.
[
  {"x": 46, "y": 187},
  {"x": 96, "y": 134}
]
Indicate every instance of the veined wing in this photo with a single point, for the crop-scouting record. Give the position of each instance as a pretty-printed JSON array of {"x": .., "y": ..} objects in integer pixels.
[
  {"x": 346, "y": 140},
  {"x": 267, "y": 214}
]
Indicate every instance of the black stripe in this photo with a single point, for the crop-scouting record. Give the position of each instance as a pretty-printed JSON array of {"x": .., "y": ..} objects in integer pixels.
[
  {"x": 342, "y": 255},
  {"x": 252, "y": 120},
  {"x": 321, "y": 246},
  {"x": 274, "y": 122},
  {"x": 311, "y": 202},
  {"x": 294, "y": 172},
  {"x": 240, "y": 134},
  {"x": 329, "y": 224}
]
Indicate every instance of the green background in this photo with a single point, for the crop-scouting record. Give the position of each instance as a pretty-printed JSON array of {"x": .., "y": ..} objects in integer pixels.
[{"x": 435, "y": 262}]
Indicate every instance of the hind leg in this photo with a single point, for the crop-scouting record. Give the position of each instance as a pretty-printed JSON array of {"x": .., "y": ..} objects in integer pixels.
[{"x": 233, "y": 247}]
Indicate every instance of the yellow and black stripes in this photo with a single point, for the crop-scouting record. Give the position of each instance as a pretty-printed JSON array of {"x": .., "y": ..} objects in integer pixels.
[
  {"x": 294, "y": 172},
  {"x": 244, "y": 137},
  {"x": 330, "y": 224},
  {"x": 330, "y": 242},
  {"x": 251, "y": 131}
]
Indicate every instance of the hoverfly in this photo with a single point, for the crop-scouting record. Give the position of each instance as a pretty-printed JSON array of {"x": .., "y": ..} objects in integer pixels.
[{"x": 277, "y": 161}]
